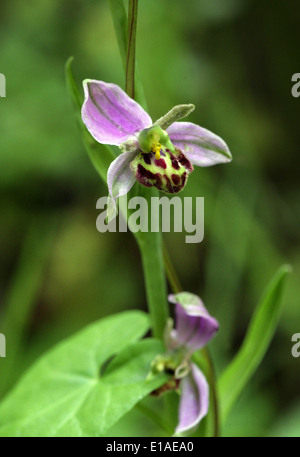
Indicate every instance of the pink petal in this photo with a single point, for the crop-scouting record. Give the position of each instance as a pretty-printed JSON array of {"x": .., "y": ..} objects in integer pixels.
[
  {"x": 109, "y": 114},
  {"x": 202, "y": 147},
  {"x": 195, "y": 327},
  {"x": 194, "y": 400},
  {"x": 120, "y": 177}
]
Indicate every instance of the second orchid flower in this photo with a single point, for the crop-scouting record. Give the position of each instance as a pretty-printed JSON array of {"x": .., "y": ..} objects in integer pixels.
[{"x": 195, "y": 327}]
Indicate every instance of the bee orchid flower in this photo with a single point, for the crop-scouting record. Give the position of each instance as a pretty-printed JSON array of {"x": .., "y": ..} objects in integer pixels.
[
  {"x": 160, "y": 154},
  {"x": 194, "y": 329}
]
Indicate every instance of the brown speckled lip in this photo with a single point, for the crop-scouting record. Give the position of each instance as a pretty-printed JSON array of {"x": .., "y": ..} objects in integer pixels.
[
  {"x": 175, "y": 179},
  {"x": 147, "y": 178},
  {"x": 160, "y": 176},
  {"x": 182, "y": 159},
  {"x": 175, "y": 188},
  {"x": 160, "y": 163}
]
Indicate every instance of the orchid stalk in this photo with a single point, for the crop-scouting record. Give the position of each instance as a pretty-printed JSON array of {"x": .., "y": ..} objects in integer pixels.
[
  {"x": 154, "y": 156},
  {"x": 157, "y": 154}
]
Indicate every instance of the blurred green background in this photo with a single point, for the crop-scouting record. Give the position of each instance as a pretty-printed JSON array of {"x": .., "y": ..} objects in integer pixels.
[{"x": 234, "y": 60}]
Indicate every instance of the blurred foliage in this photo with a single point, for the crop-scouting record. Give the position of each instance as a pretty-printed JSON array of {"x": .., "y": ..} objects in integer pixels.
[{"x": 233, "y": 60}]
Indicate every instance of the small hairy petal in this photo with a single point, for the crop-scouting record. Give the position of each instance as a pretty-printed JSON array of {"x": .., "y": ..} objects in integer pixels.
[
  {"x": 176, "y": 113},
  {"x": 202, "y": 147},
  {"x": 109, "y": 114},
  {"x": 194, "y": 400},
  {"x": 120, "y": 177},
  {"x": 195, "y": 327}
]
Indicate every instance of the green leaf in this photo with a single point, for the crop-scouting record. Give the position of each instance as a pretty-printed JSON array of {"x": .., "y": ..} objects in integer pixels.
[
  {"x": 76, "y": 96},
  {"x": 100, "y": 155},
  {"x": 68, "y": 392},
  {"x": 259, "y": 335}
]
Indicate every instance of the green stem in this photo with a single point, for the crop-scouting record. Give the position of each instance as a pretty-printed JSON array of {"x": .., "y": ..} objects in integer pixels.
[
  {"x": 171, "y": 273},
  {"x": 213, "y": 385},
  {"x": 119, "y": 18},
  {"x": 156, "y": 289},
  {"x": 130, "y": 59},
  {"x": 150, "y": 244},
  {"x": 176, "y": 288}
]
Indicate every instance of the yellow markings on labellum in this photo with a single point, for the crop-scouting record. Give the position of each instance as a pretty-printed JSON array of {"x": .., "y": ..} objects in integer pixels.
[{"x": 156, "y": 147}]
